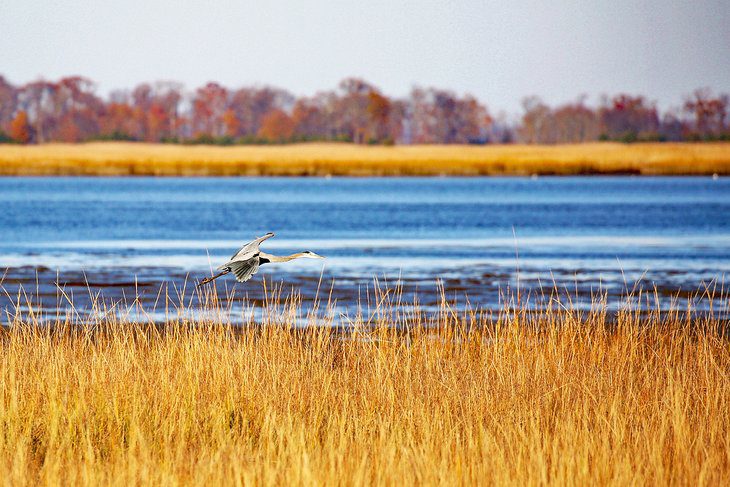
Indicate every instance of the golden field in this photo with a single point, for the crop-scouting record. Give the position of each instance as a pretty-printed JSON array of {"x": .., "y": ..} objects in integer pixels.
[
  {"x": 562, "y": 397},
  {"x": 319, "y": 159}
]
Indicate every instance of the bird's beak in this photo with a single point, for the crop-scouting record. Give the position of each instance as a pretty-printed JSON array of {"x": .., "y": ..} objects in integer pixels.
[{"x": 315, "y": 256}]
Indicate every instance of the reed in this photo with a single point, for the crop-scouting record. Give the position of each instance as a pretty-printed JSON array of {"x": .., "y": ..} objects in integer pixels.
[
  {"x": 517, "y": 397},
  {"x": 318, "y": 159}
]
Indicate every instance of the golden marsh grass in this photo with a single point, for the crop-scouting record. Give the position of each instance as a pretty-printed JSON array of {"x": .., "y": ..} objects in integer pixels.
[
  {"x": 559, "y": 397},
  {"x": 123, "y": 159}
]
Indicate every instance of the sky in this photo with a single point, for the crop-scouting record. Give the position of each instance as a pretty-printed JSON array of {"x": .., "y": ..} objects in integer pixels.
[{"x": 499, "y": 51}]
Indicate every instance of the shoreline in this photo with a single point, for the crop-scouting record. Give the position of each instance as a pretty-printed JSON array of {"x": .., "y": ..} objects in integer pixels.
[{"x": 340, "y": 159}]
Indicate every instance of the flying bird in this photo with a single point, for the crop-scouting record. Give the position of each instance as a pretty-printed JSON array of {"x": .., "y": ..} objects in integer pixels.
[{"x": 245, "y": 263}]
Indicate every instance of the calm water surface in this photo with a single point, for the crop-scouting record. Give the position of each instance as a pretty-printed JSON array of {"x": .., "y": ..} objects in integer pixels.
[{"x": 474, "y": 234}]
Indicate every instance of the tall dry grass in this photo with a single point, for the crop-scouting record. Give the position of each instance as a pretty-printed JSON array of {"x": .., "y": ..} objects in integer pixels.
[
  {"x": 118, "y": 158},
  {"x": 519, "y": 398}
]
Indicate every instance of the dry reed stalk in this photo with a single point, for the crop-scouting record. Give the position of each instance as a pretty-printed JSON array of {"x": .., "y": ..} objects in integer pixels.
[{"x": 523, "y": 398}]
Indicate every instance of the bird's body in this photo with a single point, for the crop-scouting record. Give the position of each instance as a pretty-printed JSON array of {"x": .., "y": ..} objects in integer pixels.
[{"x": 246, "y": 262}]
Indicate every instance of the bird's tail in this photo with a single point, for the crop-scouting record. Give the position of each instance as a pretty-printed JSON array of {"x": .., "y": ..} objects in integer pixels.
[{"x": 213, "y": 278}]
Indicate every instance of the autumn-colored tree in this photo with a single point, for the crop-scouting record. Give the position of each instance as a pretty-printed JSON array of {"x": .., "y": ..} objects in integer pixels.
[
  {"x": 441, "y": 117},
  {"x": 710, "y": 113},
  {"x": 575, "y": 122},
  {"x": 155, "y": 111},
  {"x": 158, "y": 124},
  {"x": 37, "y": 100},
  {"x": 276, "y": 126},
  {"x": 8, "y": 102},
  {"x": 250, "y": 106},
  {"x": 359, "y": 112},
  {"x": 242, "y": 118},
  {"x": 231, "y": 122},
  {"x": 20, "y": 129},
  {"x": 397, "y": 117},
  {"x": 628, "y": 118},
  {"x": 353, "y": 119},
  {"x": 76, "y": 110},
  {"x": 167, "y": 99},
  {"x": 209, "y": 106},
  {"x": 67, "y": 110},
  {"x": 538, "y": 126},
  {"x": 118, "y": 121},
  {"x": 378, "y": 110},
  {"x": 310, "y": 120}
]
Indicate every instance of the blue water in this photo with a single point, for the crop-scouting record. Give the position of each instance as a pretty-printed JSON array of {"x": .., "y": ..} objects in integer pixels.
[{"x": 478, "y": 235}]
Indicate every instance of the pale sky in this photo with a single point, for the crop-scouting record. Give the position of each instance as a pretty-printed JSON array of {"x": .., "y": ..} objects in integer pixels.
[{"x": 499, "y": 51}]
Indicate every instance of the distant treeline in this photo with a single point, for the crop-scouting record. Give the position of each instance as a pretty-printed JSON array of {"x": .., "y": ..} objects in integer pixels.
[{"x": 69, "y": 111}]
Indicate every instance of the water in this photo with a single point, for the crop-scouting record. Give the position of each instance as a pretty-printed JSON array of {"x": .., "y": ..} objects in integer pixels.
[{"x": 479, "y": 236}]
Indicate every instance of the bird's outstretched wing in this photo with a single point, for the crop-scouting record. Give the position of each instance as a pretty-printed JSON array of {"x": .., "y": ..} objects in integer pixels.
[
  {"x": 248, "y": 250},
  {"x": 251, "y": 247},
  {"x": 244, "y": 269}
]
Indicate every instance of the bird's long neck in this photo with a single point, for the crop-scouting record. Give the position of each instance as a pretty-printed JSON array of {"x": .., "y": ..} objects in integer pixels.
[{"x": 279, "y": 258}]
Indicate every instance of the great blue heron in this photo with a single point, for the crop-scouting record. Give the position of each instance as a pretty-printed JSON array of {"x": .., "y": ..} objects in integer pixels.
[{"x": 245, "y": 263}]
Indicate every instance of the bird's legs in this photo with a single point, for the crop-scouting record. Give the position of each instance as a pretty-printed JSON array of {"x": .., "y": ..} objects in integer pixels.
[{"x": 213, "y": 278}]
